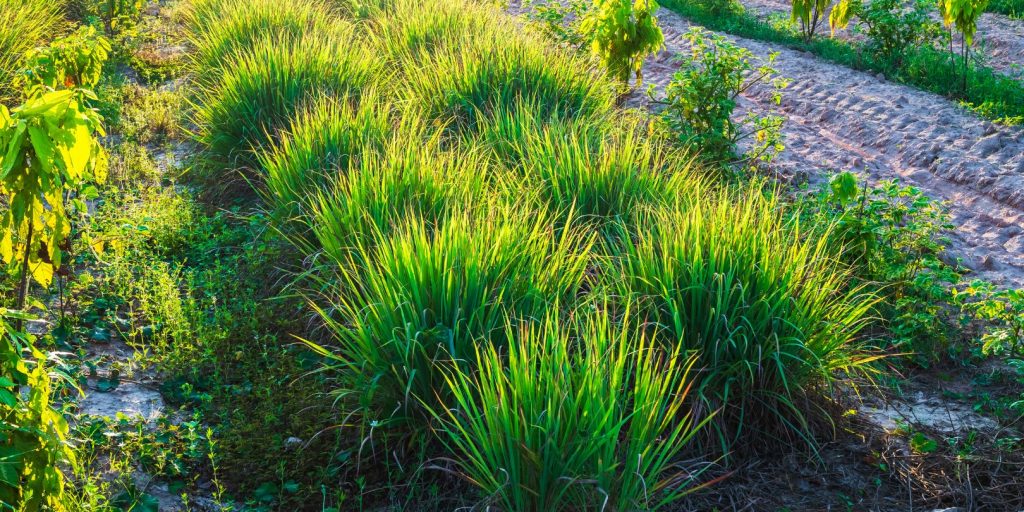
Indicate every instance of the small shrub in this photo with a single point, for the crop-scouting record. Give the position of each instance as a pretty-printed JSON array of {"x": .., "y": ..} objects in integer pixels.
[
  {"x": 561, "y": 21},
  {"x": 581, "y": 414},
  {"x": 893, "y": 236},
  {"x": 771, "y": 315},
  {"x": 623, "y": 33},
  {"x": 1003, "y": 311},
  {"x": 892, "y": 29},
  {"x": 701, "y": 98},
  {"x": 72, "y": 62}
]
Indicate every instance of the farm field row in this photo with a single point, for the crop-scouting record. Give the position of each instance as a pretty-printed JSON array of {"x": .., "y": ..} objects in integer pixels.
[{"x": 840, "y": 119}]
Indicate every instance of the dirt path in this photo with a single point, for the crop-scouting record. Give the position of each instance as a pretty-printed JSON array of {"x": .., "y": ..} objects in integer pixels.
[
  {"x": 839, "y": 119},
  {"x": 1001, "y": 38}
]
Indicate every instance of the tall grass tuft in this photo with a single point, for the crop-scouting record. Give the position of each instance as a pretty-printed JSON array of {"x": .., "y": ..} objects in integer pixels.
[
  {"x": 265, "y": 86},
  {"x": 23, "y": 25},
  {"x": 218, "y": 29},
  {"x": 603, "y": 176},
  {"x": 322, "y": 141},
  {"x": 578, "y": 414},
  {"x": 410, "y": 303},
  {"x": 485, "y": 71},
  {"x": 414, "y": 29},
  {"x": 770, "y": 314},
  {"x": 388, "y": 187}
]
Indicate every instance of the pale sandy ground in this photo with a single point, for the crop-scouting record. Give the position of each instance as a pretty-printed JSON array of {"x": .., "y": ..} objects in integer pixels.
[
  {"x": 999, "y": 37},
  {"x": 838, "y": 119}
]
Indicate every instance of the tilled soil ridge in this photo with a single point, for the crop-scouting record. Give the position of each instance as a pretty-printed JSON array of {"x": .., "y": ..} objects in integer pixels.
[{"x": 839, "y": 119}]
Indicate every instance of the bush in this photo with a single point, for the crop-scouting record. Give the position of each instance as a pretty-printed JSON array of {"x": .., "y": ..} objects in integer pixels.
[
  {"x": 893, "y": 236},
  {"x": 413, "y": 302},
  {"x": 701, "y": 97},
  {"x": 892, "y": 29},
  {"x": 582, "y": 414},
  {"x": 772, "y": 316},
  {"x": 72, "y": 62},
  {"x": 23, "y": 25},
  {"x": 266, "y": 85}
]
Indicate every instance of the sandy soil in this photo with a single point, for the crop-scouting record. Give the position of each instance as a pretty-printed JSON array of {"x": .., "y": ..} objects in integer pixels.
[
  {"x": 999, "y": 37},
  {"x": 839, "y": 119}
]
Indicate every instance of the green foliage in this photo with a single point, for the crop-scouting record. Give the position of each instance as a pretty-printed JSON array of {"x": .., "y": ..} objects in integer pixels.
[
  {"x": 701, "y": 98},
  {"x": 33, "y": 436},
  {"x": 962, "y": 14},
  {"x": 458, "y": 85},
  {"x": 323, "y": 141},
  {"x": 893, "y": 235},
  {"x": 51, "y": 150},
  {"x": 1011, "y": 8},
  {"x": 115, "y": 16},
  {"x": 583, "y": 413},
  {"x": 810, "y": 14},
  {"x": 893, "y": 29},
  {"x": 622, "y": 33},
  {"x": 400, "y": 316},
  {"x": 72, "y": 62},
  {"x": 1003, "y": 311},
  {"x": 386, "y": 188},
  {"x": 561, "y": 21},
  {"x": 768, "y": 311},
  {"x": 264, "y": 86},
  {"x": 219, "y": 29},
  {"x": 600, "y": 176},
  {"x": 24, "y": 24}
]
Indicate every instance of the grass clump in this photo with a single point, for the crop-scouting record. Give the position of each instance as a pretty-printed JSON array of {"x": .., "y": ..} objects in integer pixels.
[
  {"x": 323, "y": 141},
  {"x": 265, "y": 86},
  {"x": 605, "y": 177},
  {"x": 23, "y": 25},
  {"x": 408, "y": 304},
  {"x": 220, "y": 29},
  {"x": 769, "y": 314},
  {"x": 492, "y": 73},
  {"x": 583, "y": 414},
  {"x": 385, "y": 189}
]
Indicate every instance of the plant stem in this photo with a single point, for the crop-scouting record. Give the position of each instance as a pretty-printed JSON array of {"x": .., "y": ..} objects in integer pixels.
[{"x": 23, "y": 287}]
